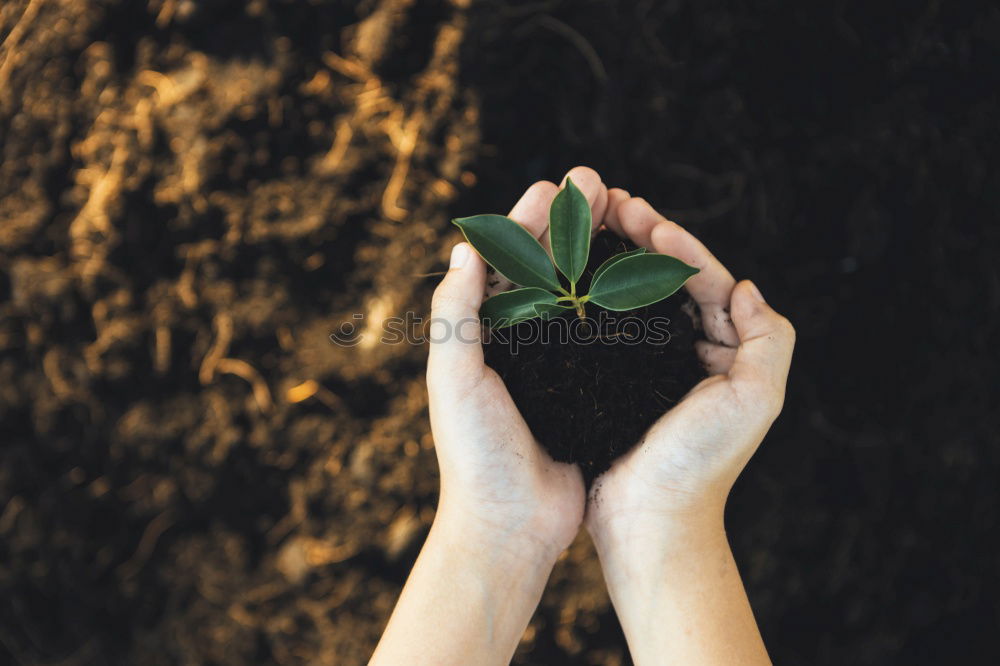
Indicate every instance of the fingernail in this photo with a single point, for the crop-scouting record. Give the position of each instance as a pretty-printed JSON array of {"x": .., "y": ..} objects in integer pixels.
[
  {"x": 756, "y": 292},
  {"x": 459, "y": 255}
]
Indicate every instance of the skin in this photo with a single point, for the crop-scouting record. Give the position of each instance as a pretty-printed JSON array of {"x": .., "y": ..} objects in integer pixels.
[{"x": 506, "y": 510}]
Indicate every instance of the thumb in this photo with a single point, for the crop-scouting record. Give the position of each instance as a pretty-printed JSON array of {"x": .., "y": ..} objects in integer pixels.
[
  {"x": 760, "y": 370},
  {"x": 456, "y": 354}
]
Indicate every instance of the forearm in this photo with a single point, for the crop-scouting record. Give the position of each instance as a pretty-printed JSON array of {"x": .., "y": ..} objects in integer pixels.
[
  {"x": 680, "y": 599},
  {"x": 468, "y": 599}
]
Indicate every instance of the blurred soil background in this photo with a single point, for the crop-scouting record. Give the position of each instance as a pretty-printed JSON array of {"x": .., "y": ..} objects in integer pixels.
[{"x": 195, "y": 195}]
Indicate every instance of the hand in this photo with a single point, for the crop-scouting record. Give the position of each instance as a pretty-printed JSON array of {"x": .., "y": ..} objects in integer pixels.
[
  {"x": 685, "y": 466},
  {"x": 494, "y": 476},
  {"x": 506, "y": 509},
  {"x": 656, "y": 517}
]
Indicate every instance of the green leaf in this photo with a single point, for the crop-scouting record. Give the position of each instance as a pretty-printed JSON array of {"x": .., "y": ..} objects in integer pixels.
[
  {"x": 639, "y": 280},
  {"x": 550, "y": 310},
  {"x": 513, "y": 307},
  {"x": 511, "y": 249},
  {"x": 569, "y": 231},
  {"x": 610, "y": 261}
]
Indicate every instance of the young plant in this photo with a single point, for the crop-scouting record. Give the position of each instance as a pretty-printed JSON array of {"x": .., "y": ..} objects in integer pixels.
[{"x": 625, "y": 281}]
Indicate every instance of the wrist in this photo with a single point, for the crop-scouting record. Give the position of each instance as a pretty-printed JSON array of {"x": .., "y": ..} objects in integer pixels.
[
  {"x": 646, "y": 567},
  {"x": 637, "y": 544},
  {"x": 471, "y": 593},
  {"x": 678, "y": 593},
  {"x": 512, "y": 540}
]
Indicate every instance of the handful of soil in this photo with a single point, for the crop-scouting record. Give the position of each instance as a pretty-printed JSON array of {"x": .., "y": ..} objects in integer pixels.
[{"x": 589, "y": 389}]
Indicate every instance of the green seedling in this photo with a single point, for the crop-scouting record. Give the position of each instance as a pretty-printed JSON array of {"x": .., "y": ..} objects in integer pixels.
[{"x": 625, "y": 281}]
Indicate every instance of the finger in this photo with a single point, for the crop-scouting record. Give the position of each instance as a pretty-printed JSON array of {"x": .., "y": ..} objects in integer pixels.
[
  {"x": 760, "y": 369},
  {"x": 637, "y": 219},
  {"x": 589, "y": 182},
  {"x": 616, "y": 197},
  {"x": 456, "y": 353},
  {"x": 711, "y": 287},
  {"x": 532, "y": 212},
  {"x": 717, "y": 359}
]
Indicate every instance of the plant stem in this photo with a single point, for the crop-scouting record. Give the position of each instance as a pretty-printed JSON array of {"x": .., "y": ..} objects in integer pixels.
[{"x": 576, "y": 301}]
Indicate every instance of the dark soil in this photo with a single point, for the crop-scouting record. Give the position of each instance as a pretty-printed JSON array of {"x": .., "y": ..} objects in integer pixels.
[
  {"x": 589, "y": 400},
  {"x": 195, "y": 195}
]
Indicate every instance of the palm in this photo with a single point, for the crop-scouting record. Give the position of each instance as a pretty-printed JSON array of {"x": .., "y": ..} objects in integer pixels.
[
  {"x": 490, "y": 462},
  {"x": 693, "y": 454},
  {"x": 692, "y": 450},
  {"x": 485, "y": 445}
]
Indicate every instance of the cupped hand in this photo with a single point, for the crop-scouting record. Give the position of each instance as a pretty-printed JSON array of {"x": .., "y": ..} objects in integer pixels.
[
  {"x": 679, "y": 475},
  {"x": 496, "y": 481}
]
